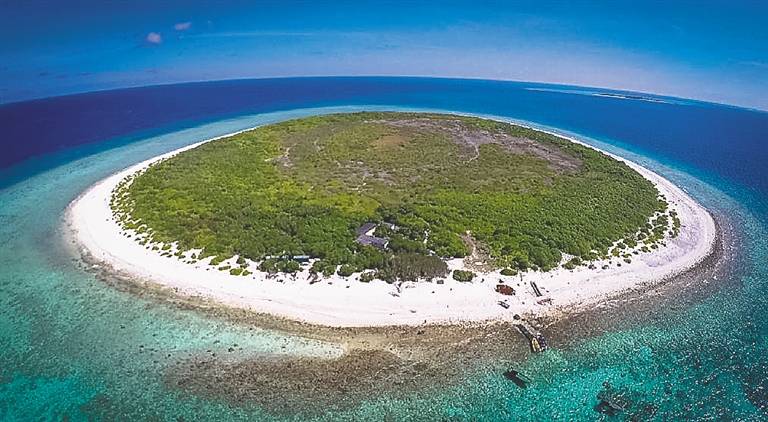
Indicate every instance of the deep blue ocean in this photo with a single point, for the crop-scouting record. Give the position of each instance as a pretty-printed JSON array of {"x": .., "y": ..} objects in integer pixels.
[{"x": 68, "y": 342}]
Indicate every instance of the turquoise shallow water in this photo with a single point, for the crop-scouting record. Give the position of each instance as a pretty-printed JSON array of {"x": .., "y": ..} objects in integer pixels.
[
  {"x": 75, "y": 347},
  {"x": 70, "y": 339}
]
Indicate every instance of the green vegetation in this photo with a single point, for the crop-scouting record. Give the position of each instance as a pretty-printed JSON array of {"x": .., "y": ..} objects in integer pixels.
[
  {"x": 347, "y": 270},
  {"x": 464, "y": 276},
  {"x": 412, "y": 266},
  {"x": 443, "y": 182},
  {"x": 509, "y": 272},
  {"x": 573, "y": 263},
  {"x": 273, "y": 265},
  {"x": 367, "y": 277}
]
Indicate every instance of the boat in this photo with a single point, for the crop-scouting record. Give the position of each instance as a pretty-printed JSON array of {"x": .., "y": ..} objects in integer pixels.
[{"x": 536, "y": 340}]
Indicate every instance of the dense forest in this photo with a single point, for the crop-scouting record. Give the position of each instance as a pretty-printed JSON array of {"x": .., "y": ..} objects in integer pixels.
[{"x": 442, "y": 183}]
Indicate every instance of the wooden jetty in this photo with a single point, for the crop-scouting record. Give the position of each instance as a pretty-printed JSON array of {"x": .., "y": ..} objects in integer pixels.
[{"x": 536, "y": 340}]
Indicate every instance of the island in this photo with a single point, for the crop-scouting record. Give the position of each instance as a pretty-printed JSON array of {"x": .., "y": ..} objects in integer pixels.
[{"x": 392, "y": 218}]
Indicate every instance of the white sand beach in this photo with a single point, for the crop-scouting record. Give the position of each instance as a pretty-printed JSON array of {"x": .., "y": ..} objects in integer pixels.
[{"x": 338, "y": 301}]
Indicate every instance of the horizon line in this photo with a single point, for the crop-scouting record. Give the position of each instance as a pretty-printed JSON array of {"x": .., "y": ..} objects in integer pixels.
[{"x": 362, "y": 76}]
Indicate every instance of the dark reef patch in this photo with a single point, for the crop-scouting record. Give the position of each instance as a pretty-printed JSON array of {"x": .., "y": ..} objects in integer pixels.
[{"x": 283, "y": 385}]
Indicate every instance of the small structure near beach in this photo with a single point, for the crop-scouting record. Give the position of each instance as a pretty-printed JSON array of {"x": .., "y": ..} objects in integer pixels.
[{"x": 365, "y": 236}]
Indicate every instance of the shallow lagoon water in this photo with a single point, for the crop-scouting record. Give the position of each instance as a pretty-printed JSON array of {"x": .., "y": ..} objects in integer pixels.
[{"x": 75, "y": 346}]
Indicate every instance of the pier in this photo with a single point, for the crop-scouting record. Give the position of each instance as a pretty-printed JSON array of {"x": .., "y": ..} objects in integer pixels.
[{"x": 536, "y": 340}]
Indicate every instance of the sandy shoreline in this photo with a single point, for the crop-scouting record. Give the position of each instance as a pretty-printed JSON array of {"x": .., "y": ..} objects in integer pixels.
[{"x": 341, "y": 302}]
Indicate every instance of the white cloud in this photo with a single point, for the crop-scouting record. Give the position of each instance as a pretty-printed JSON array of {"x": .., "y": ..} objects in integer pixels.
[
  {"x": 182, "y": 26},
  {"x": 154, "y": 38}
]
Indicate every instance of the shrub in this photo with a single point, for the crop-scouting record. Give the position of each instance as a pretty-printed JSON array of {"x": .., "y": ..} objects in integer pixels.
[
  {"x": 413, "y": 266},
  {"x": 520, "y": 263},
  {"x": 510, "y": 272},
  {"x": 288, "y": 266},
  {"x": 323, "y": 267},
  {"x": 367, "y": 276},
  {"x": 402, "y": 244},
  {"x": 268, "y": 266},
  {"x": 463, "y": 276},
  {"x": 572, "y": 263},
  {"x": 346, "y": 270},
  {"x": 591, "y": 256}
]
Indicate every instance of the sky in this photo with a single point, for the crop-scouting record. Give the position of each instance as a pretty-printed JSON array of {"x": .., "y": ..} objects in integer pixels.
[{"x": 708, "y": 50}]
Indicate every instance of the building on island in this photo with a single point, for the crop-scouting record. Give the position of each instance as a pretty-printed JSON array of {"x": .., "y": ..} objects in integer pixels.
[
  {"x": 376, "y": 242},
  {"x": 366, "y": 229},
  {"x": 365, "y": 236}
]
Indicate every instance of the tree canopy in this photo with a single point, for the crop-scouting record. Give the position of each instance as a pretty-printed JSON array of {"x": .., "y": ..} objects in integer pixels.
[{"x": 302, "y": 187}]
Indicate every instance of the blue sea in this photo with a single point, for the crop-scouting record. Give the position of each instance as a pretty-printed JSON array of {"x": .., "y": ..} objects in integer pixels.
[{"x": 73, "y": 347}]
